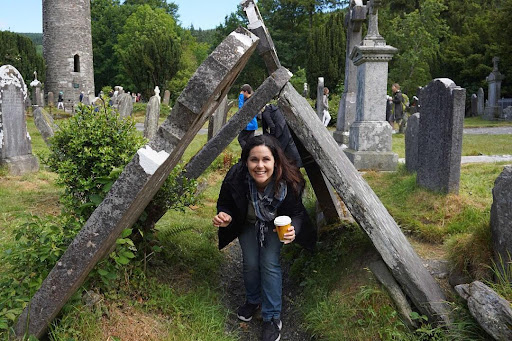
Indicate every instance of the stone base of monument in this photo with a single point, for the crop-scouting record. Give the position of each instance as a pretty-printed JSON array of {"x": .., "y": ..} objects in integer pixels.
[
  {"x": 382, "y": 161},
  {"x": 342, "y": 137},
  {"x": 19, "y": 165},
  {"x": 491, "y": 113}
]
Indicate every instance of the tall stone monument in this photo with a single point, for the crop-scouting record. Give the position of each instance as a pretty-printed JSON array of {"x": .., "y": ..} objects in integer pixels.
[
  {"x": 67, "y": 48},
  {"x": 36, "y": 91},
  {"x": 370, "y": 134},
  {"x": 167, "y": 97},
  {"x": 320, "y": 98},
  {"x": 440, "y": 135},
  {"x": 347, "y": 108},
  {"x": 480, "y": 105},
  {"x": 152, "y": 115},
  {"x": 492, "y": 110},
  {"x": 15, "y": 145}
]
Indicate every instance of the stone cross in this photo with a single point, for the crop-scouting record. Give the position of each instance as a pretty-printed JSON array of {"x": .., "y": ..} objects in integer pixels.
[
  {"x": 373, "y": 36},
  {"x": 36, "y": 91},
  {"x": 492, "y": 110},
  {"x": 15, "y": 142},
  {"x": 152, "y": 115},
  {"x": 140, "y": 180},
  {"x": 440, "y": 136},
  {"x": 347, "y": 106}
]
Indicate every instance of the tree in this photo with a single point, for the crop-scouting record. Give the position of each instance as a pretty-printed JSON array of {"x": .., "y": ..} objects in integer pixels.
[
  {"x": 149, "y": 49},
  {"x": 19, "y": 51},
  {"x": 169, "y": 7}
]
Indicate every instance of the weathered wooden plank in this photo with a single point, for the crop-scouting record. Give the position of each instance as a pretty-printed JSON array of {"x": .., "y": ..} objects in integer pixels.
[
  {"x": 139, "y": 181},
  {"x": 365, "y": 207}
]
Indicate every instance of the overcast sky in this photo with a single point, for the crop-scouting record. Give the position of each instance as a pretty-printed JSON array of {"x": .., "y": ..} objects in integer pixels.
[{"x": 26, "y": 15}]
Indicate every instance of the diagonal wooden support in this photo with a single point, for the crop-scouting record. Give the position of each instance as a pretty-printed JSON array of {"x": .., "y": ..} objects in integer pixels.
[
  {"x": 365, "y": 207},
  {"x": 140, "y": 180},
  {"x": 199, "y": 162},
  {"x": 331, "y": 208}
]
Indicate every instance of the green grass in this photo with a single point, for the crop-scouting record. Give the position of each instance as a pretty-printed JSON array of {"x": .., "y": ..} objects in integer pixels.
[{"x": 478, "y": 122}]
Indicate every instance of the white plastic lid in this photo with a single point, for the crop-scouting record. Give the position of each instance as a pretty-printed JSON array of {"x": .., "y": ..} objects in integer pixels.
[{"x": 282, "y": 220}]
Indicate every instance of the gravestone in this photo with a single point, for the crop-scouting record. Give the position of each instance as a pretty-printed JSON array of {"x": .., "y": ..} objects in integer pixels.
[
  {"x": 167, "y": 97},
  {"x": 411, "y": 142},
  {"x": 480, "y": 102},
  {"x": 364, "y": 205},
  {"x": 125, "y": 105},
  {"x": 152, "y": 115},
  {"x": 140, "y": 180},
  {"x": 474, "y": 106},
  {"x": 347, "y": 108},
  {"x": 15, "y": 143},
  {"x": 501, "y": 219},
  {"x": 305, "y": 90},
  {"x": 440, "y": 135},
  {"x": 218, "y": 119},
  {"x": 87, "y": 98},
  {"x": 36, "y": 91},
  {"x": 320, "y": 98},
  {"x": 370, "y": 135},
  {"x": 492, "y": 109},
  {"x": 45, "y": 124},
  {"x": 51, "y": 99}
]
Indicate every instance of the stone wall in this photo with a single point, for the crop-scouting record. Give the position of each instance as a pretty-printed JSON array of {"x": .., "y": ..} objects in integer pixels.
[{"x": 66, "y": 34}]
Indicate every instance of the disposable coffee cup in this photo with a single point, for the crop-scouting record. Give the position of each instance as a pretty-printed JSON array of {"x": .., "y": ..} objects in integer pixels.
[{"x": 282, "y": 224}]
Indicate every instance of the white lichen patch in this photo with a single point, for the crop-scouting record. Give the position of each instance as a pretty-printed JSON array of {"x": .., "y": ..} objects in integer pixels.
[
  {"x": 35, "y": 83},
  {"x": 240, "y": 50},
  {"x": 150, "y": 159},
  {"x": 244, "y": 39},
  {"x": 9, "y": 75}
]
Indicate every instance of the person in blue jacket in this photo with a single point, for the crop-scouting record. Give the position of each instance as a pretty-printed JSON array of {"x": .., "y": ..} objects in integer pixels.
[{"x": 252, "y": 126}]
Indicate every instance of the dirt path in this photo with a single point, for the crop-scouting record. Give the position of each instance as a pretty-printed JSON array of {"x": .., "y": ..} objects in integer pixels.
[{"x": 234, "y": 295}]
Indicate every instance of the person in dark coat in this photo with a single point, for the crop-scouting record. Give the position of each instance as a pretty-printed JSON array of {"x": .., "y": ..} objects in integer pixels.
[
  {"x": 264, "y": 184},
  {"x": 274, "y": 124}
]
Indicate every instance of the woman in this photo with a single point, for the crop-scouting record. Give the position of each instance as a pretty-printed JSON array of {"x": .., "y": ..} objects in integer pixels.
[{"x": 262, "y": 186}]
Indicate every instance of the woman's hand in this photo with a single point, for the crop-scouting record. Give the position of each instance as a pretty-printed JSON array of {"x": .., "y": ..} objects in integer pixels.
[
  {"x": 221, "y": 220},
  {"x": 288, "y": 236}
]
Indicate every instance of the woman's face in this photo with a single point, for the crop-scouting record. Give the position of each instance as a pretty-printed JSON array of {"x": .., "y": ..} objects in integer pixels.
[{"x": 261, "y": 165}]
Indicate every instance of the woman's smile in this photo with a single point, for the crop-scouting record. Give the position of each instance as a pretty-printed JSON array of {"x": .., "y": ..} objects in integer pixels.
[{"x": 261, "y": 165}]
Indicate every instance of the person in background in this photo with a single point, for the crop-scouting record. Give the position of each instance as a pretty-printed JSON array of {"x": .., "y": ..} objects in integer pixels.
[
  {"x": 398, "y": 108},
  {"x": 260, "y": 187},
  {"x": 252, "y": 126},
  {"x": 389, "y": 110},
  {"x": 60, "y": 101},
  {"x": 81, "y": 97}
]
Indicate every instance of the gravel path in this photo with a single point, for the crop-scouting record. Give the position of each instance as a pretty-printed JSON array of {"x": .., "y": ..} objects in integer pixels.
[
  {"x": 489, "y": 130},
  {"x": 232, "y": 282}
]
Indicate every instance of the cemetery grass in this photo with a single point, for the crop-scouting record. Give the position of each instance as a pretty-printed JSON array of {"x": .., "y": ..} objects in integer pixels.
[
  {"x": 177, "y": 294},
  {"x": 478, "y": 122}
]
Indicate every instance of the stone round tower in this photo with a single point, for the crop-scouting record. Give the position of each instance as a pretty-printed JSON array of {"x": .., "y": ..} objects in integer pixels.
[{"x": 67, "y": 48}]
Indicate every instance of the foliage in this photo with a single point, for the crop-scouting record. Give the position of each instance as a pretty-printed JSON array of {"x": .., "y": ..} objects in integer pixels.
[
  {"x": 19, "y": 51},
  {"x": 86, "y": 149},
  {"x": 149, "y": 49}
]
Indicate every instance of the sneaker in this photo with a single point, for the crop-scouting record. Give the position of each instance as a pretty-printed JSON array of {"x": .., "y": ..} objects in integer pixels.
[
  {"x": 272, "y": 330},
  {"x": 246, "y": 311}
]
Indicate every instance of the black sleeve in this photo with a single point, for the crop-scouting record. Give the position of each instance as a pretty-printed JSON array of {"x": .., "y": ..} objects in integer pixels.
[{"x": 268, "y": 122}]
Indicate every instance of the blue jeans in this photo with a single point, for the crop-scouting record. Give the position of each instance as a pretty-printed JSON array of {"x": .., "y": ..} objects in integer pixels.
[{"x": 262, "y": 271}]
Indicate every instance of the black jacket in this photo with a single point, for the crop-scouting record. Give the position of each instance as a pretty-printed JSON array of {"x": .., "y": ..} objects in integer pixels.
[{"x": 234, "y": 200}]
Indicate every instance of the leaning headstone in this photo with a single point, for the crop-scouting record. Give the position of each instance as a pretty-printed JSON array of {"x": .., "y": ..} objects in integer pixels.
[
  {"x": 369, "y": 145},
  {"x": 480, "y": 102},
  {"x": 347, "y": 108},
  {"x": 152, "y": 115},
  {"x": 492, "y": 109},
  {"x": 45, "y": 124},
  {"x": 167, "y": 97},
  {"x": 320, "y": 98},
  {"x": 489, "y": 309},
  {"x": 474, "y": 106},
  {"x": 218, "y": 119},
  {"x": 140, "y": 180},
  {"x": 411, "y": 142},
  {"x": 125, "y": 105},
  {"x": 501, "y": 220},
  {"x": 15, "y": 143},
  {"x": 36, "y": 91},
  {"x": 440, "y": 135}
]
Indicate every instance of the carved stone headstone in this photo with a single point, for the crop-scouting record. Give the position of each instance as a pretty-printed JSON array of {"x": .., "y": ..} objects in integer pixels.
[
  {"x": 347, "y": 107},
  {"x": 218, "y": 119},
  {"x": 320, "y": 98},
  {"x": 152, "y": 115},
  {"x": 501, "y": 219},
  {"x": 36, "y": 91},
  {"x": 411, "y": 142},
  {"x": 125, "y": 105},
  {"x": 370, "y": 135},
  {"x": 474, "y": 106},
  {"x": 489, "y": 309},
  {"x": 51, "y": 99},
  {"x": 15, "y": 143},
  {"x": 139, "y": 181},
  {"x": 492, "y": 109},
  {"x": 45, "y": 124},
  {"x": 440, "y": 135},
  {"x": 480, "y": 102},
  {"x": 167, "y": 97}
]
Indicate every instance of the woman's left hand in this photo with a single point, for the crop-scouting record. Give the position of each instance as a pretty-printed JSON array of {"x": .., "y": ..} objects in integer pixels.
[{"x": 290, "y": 235}]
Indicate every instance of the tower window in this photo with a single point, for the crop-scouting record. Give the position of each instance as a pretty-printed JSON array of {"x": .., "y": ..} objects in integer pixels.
[{"x": 77, "y": 63}]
